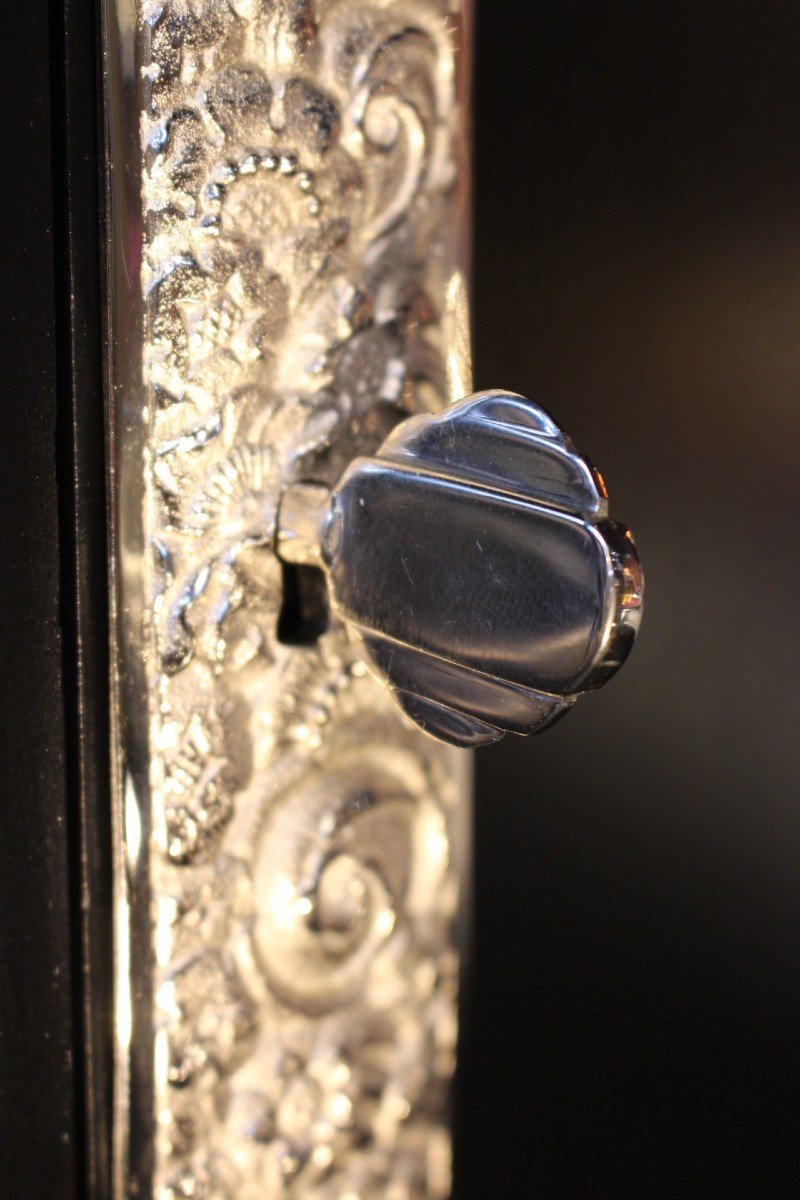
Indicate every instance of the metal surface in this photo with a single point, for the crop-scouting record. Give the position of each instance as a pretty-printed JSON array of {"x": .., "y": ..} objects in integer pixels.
[
  {"x": 473, "y": 559},
  {"x": 287, "y": 282}
]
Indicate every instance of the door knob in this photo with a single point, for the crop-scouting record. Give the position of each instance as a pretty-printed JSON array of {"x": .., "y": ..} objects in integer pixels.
[
  {"x": 288, "y": 220},
  {"x": 473, "y": 560}
]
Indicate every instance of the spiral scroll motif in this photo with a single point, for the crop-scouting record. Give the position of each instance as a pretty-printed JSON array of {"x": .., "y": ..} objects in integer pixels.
[
  {"x": 341, "y": 859},
  {"x": 302, "y": 285}
]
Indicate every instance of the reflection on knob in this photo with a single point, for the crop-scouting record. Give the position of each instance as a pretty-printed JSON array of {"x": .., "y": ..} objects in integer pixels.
[{"x": 473, "y": 559}]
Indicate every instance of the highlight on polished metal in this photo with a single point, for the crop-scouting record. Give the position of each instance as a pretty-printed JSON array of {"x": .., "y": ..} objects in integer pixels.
[
  {"x": 286, "y": 261},
  {"x": 473, "y": 558}
]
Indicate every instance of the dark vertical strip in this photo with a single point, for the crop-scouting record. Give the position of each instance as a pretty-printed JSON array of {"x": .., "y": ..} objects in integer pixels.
[
  {"x": 75, "y": 59},
  {"x": 37, "y": 1135}
]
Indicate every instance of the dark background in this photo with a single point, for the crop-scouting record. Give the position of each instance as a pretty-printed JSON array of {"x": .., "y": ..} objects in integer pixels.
[
  {"x": 632, "y": 1026},
  {"x": 634, "y": 1022}
]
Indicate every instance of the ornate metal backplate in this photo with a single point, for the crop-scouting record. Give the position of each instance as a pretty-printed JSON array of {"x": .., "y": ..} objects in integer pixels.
[{"x": 286, "y": 266}]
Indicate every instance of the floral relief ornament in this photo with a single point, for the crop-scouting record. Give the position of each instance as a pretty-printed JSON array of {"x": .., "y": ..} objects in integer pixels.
[{"x": 298, "y": 176}]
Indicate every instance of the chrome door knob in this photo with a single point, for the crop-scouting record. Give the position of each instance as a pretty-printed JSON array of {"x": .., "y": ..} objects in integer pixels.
[{"x": 473, "y": 559}]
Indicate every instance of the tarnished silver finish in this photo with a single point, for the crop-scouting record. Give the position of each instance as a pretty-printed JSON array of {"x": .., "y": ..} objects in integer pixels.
[
  {"x": 287, "y": 283},
  {"x": 473, "y": 559}
]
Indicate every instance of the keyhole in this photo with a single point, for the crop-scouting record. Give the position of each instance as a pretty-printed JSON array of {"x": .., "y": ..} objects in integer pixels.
[{"x": 304, "y": 613}]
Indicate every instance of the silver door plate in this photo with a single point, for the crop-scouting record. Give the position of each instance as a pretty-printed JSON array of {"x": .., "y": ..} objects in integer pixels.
[{"x": 287, "y": 194}]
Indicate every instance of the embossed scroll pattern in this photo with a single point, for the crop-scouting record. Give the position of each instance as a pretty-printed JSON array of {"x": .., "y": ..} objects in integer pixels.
[{"x": 299, "y": 279}]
